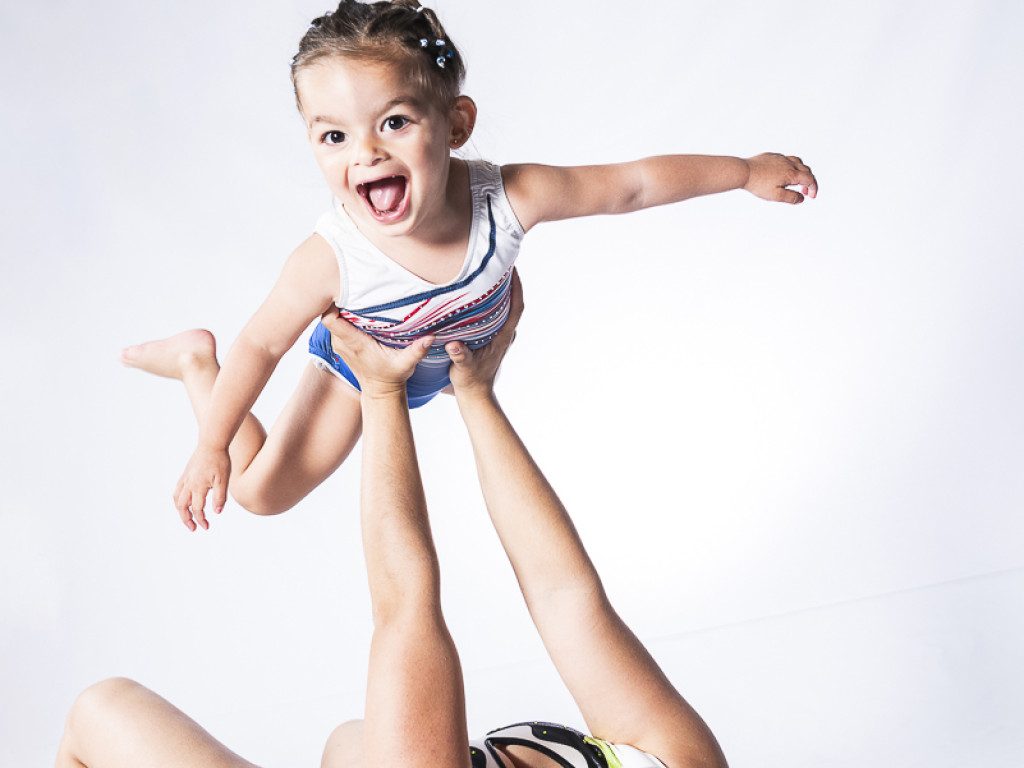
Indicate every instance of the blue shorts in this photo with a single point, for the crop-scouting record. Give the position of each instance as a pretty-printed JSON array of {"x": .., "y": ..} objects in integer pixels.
[{"x": 429, "y": 378}]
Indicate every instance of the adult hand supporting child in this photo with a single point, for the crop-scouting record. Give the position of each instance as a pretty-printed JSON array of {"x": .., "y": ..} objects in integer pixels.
[
  {"x": 381, "y": 370},
  {"x": 476, "y": 369}
]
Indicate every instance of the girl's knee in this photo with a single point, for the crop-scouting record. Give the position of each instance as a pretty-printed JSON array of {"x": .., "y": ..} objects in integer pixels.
[{"x": 258, "y": 499}]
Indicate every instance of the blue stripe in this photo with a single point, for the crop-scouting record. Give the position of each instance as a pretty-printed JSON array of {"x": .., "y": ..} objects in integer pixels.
[{"x": 363, "y": 313}]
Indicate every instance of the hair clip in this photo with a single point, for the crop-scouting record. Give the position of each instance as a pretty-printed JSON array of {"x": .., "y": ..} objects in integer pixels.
[
  {"x": 420, "y": 9},
  {"x": 440, "y": 61},
  {"x": 440, "y": 42},
  {"x": 424, "y": 42}
]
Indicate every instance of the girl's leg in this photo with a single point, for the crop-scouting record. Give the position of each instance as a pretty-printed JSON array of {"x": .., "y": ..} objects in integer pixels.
[
  {"x": 120, "y": 724},
  {"x": 623, "y": 695},
  {"x": 314, "y": 434}
]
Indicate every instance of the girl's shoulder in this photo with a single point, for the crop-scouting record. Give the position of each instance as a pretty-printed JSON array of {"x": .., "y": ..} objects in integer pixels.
[
  {"x": 520, "y": 183},
  {"x": 315, "y": 253},
  {"x": 490, "y": 195}
]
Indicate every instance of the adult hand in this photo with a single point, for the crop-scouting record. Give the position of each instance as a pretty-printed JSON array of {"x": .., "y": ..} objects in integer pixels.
[
  {"x": 474, "y": 370},
  {"x": 771, "y": 174},
  {"x": 380, "y": 369}
]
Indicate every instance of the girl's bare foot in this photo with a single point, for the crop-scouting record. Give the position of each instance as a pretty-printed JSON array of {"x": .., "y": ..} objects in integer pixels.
[{"x": 175, "y": 356}]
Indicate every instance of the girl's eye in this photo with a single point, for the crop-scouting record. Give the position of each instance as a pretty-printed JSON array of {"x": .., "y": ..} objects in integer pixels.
[
  {"x": 395, "y": 123},
  {"x": 333, "y": 137}
]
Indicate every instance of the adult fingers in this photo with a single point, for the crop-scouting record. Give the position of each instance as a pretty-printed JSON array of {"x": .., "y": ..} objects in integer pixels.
[
  {"x": 418, "y": 349},
  {"x": 344, "y": 333},
  {"x": 459, "y": 353},
  {"x": 516, "y": 304},
  {"x": 507, "y": 334}
]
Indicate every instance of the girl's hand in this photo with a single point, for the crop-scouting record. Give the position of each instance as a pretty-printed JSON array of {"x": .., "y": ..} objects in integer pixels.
[
  {"x": 474, "y": 370},
  {"x": 381, "y": 370},
  {"x": 771, "y": 174},
  {"x": 207, "y": 470}
]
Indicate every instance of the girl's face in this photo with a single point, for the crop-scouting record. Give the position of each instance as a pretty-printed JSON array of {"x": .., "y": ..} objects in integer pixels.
[{"x": 382, "y": 147}]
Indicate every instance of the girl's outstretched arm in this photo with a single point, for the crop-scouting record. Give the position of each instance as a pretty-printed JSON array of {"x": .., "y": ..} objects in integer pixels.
[
  {"x": 550, "y": 193},
  {"x": 303, "y": 290},
  {"x": 620, "y": 690}
]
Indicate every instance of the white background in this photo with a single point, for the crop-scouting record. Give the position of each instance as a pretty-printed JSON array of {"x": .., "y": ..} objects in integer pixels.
[{"x": 792, "y": 438}]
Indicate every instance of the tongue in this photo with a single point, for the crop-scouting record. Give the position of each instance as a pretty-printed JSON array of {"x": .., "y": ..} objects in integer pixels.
[{"x": 385, "y": 194}]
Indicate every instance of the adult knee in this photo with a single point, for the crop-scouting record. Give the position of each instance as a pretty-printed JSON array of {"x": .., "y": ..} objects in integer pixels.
[
  {"x": 97, "y": 702},
  {"x": 344, "y": 746}
]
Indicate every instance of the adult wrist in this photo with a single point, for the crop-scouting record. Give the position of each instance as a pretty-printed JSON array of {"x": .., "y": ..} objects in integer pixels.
[
  {"x": 472, "y": 397},
  {"x": 383, "y": 392}
]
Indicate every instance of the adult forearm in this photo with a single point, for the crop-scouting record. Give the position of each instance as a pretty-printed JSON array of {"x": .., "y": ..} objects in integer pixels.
[
  {"x": 538, "y": 536},
  {"x": 401, "y": 562}
]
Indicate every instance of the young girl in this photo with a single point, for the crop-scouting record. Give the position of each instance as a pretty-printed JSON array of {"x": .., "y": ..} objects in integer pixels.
[{"x": 417, "y": 242}]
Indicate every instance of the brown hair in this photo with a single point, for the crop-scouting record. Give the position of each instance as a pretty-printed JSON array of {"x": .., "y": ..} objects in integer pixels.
[{"x": 401, "y": 31}]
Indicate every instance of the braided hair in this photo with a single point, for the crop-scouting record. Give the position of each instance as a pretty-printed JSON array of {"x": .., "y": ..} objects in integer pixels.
[{"x": 401, "y": 31}]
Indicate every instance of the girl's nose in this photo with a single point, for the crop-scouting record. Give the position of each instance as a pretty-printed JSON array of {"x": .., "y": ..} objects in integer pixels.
[{"x": 369, "y": 151}]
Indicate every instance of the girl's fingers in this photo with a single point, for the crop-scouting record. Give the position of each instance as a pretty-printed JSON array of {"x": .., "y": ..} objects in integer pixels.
[
  {"x": 196, "y": 505},
  {"x": 186, "y": 516},
  {"x": 789, "y": 196},
  {"x": 219, "y": 496}
]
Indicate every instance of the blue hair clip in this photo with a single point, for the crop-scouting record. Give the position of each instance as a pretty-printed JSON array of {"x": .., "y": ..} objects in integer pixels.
[
  {"x": 440, "y": 61},
  {"x": 424, "y": 42}
]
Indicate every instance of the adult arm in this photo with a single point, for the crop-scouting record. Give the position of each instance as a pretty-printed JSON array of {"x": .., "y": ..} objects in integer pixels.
[
  {"x": 415, "y": 700},
  {"x": 622, "y": 693}
]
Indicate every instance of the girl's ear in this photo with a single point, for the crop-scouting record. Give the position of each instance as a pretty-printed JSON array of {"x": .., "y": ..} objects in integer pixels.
[{"x": 463, "y": 117}]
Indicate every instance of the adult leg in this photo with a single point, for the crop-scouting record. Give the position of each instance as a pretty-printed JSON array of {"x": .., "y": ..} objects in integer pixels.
[
  {"x": 314, "y": 434},
  {"x": 120, "y": 724},
  {"x": 344, "y": 748}
]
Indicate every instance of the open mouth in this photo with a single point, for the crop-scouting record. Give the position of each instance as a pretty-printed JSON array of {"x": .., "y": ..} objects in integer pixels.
[{"x": 386, "y": 198}]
